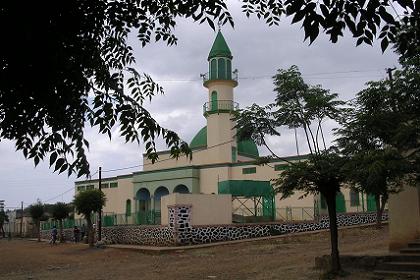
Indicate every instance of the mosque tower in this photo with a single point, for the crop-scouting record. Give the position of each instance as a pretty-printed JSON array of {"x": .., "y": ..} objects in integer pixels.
[{"x": 219, "y": 134}]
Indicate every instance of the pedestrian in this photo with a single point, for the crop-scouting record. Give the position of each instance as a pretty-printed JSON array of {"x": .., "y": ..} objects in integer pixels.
[
  {"x": 53, "y": 235},
  {"x": 76, "y": 233}
]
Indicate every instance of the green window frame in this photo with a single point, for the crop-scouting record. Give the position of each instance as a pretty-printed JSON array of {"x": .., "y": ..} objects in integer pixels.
[
  {"x": 80, "y": 188},
  {"x": 104, "y": 186},
  {"x": 213, "y": 103},
  {"x": 113, "y": 185},
  {"x": 249, "y": 170},
  {"x": 128, "y": 207},
  {"x": 90, "y": 187},
  {"x": 354, "y": 198},
  {"x": 221, "y": 69},
  {"x": 281, "y": 167},
  {"x": 213, "y": 69},
  {"x": 229, "y": 69}
]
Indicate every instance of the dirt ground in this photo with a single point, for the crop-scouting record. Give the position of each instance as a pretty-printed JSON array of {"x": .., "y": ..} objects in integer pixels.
[{"x": 283, "y": 258}]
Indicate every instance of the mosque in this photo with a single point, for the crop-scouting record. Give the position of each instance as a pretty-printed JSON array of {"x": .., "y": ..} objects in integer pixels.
[{"x": 220, "y": 165}]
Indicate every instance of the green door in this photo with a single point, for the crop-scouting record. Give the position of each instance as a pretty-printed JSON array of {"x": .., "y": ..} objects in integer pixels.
[
  {"x": 340, "y": 203},
  {"x": 371, "y": 204},
  {"x": 269, "y": 207},
  {"x": 213, "y": 101}
]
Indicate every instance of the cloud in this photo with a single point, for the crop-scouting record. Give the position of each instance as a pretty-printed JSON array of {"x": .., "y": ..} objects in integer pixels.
[{"x": 258, "y": 51}]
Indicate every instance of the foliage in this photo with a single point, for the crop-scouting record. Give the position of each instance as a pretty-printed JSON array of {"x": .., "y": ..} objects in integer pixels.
[
  {"x": 78, "y": 71},
  {"x": 366, "y": 20},
  {"x": 89, "y": 201},
  {"x": 4, "y": 218},
  {"x": 61, "y": 210},
  {"x": 36, "y": 210},
  {"x": 321, "y": 173},
  {"x": 299, "y": 105}
]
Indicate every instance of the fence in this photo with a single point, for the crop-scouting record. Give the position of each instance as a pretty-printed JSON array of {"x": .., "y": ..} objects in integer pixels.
[
  {"x": 295, "y": 213},
  {"x": 151, "y": 217}
]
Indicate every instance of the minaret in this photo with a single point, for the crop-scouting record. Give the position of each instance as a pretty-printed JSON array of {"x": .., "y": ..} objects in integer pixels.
[{"x": 220, "y": 81}]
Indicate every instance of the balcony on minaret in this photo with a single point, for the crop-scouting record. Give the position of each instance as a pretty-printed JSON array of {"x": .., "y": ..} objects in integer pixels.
[
  {"x": 220, "y": 106},
  {"x": 221, "y": 76}
]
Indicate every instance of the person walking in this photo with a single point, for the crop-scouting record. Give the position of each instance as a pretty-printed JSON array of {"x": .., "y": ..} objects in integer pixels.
[
  {"x": 76, "y": 233},
  {"x": 54, "y": 233}
]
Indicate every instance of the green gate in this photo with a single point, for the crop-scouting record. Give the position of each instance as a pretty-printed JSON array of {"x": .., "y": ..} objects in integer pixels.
[
  {"x": 371, "y": 204},
  {"x": 340, "y": 203}
]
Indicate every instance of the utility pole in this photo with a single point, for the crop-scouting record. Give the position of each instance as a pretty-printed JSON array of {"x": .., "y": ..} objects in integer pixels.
[
  {"x": 21, "y": 219},
  {"x": 100, "y": 210}
]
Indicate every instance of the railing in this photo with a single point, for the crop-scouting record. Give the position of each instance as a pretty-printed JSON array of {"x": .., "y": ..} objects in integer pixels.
[
  {"x": 206, "y": 77},
  {"x": 220, "y": 106},
  {"x": 150, "y": 217}
]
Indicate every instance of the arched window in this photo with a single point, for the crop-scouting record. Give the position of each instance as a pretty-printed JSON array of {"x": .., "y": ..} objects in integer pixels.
[
  {"x": 213, "y": 69},
  {"x": 181, "y": 189},
  {"x": 221, "y": 69},
  {"x": 128, "y": 207},
  {"x": 229, "y": 69},
  {"x": 213, "y": 103}
]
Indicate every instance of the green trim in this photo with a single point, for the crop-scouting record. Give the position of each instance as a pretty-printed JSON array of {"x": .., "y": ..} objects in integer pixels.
[
  {"x": 113, "y": 185},
  {"x": 249, "y": 170},
  {"x": 281, "y": 167},
  {"x": 197, "y": 167},
  {"x": 219, "y": 48}
]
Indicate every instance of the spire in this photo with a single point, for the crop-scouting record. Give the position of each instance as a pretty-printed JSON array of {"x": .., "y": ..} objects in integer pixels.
[{"x": 220, "y": 47}]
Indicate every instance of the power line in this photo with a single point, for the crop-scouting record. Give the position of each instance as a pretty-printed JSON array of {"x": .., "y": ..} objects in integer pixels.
[{"x": 271, "y": 76}]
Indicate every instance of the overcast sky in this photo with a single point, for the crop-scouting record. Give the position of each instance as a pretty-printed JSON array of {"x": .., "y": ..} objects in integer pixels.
[{"x": 258, "y": 51}]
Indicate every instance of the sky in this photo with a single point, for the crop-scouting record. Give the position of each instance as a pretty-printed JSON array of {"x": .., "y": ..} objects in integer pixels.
[{"x": 258, "y": 51}]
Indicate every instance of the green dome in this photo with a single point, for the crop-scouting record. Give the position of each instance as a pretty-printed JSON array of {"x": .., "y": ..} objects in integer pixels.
[
  {"x": 245, "y": 147},
  {"x": 220, "y": 47}
]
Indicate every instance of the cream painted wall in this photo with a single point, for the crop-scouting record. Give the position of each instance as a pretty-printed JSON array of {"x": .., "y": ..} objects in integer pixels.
[
  {"x": 116, "y": 197},
  {"x": 207, "y": 209},
  {"x": 210, "y": 177},
  {"x": 224, "y": 89},
  {"x": 404, "y": 217}
]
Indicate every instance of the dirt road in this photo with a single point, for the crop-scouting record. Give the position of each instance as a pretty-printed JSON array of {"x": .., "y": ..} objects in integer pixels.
[{"x": 285, "y": 258}]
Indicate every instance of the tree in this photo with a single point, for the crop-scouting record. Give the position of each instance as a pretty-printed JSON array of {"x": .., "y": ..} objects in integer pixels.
[
  {"x": 299, "y": 105},
  {"x": 366, "y": 20},
  {"x": 4, "y": 218},
  {"x": 86, "y": 203},
  {"x": 61, "y": 211},
  {"x": 37, "y": 212},
  {"x": 78, "y": 71}
]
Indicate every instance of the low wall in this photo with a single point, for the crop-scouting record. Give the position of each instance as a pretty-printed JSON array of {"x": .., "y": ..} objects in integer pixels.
[
  {"x": 180, "y": 232},
  {"x": 209, "y": 234}
]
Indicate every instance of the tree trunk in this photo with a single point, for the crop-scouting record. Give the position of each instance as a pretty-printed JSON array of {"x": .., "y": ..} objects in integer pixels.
[
  {"x": 60, "y": 223},
  {"x": 38, "y": 226},
  {"x": 332, "y": 215},
  {"x": 2, "y": 231},
  {"x": 378, "y": 210},
  {"x": 379, "y": 214},
  {"x": 89, "y": 231}
]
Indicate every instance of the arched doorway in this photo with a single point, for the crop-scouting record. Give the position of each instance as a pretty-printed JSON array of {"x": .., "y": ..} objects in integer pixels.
[
  {"x": 143, "y": 206},
  {"x": 159, "y": 192},
  {"x": 181, "y": 189}
]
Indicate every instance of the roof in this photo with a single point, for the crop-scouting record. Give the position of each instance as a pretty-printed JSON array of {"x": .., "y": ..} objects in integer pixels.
[
  {"x": 220, "y": 47},
  {"x": 245, "y": 147}
]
